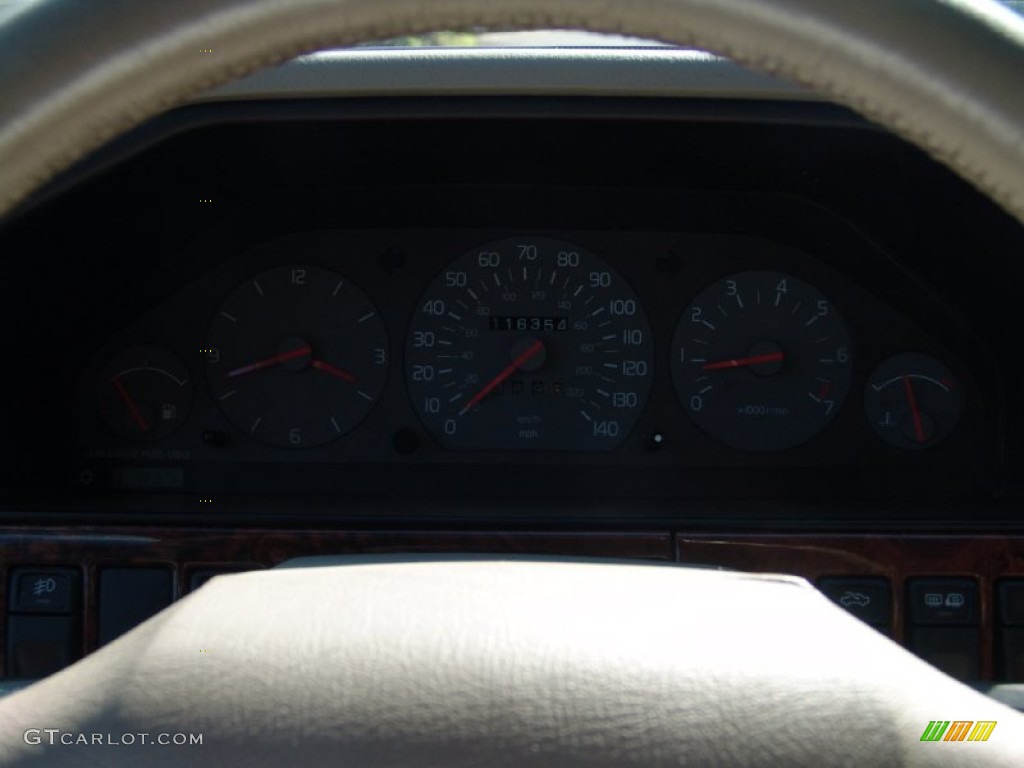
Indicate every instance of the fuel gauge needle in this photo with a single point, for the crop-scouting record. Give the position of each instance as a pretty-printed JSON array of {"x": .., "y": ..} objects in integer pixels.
[
  {"x": 915, "y": 412},
  {"x": 530, "y": 352},
  {"x": 129, "y": 401}
]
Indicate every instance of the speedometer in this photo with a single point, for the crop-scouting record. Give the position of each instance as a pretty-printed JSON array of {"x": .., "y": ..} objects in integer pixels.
[{"x": 529, "y": 343}]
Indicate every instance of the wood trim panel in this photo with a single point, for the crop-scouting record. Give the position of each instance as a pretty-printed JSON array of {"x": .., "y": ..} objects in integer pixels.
[
  {"x": 894, "y": 557},
  {"x": 186, "y": 550}
]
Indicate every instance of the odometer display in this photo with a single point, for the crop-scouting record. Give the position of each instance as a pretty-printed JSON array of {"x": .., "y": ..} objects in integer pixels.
[{"x": 529, "y": 344}]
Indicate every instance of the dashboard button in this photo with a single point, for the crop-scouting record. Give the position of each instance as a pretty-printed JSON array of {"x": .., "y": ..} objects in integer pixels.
[
  {"x": 1011, "y": 602},
  {"x": 954, "y": 650},
  {"x": 129, "y": 596},
  {"x": 1011, "y": 655},
  {"x": 38, "y": 646},
  {"x": 45, "y": 590},
  {"x": 200, "y": 576},
  {"x": 943, "y": 601},
  {"x": 867, "y": 598}
]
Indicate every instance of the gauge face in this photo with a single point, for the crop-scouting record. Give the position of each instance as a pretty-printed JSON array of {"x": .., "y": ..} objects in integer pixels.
[
  {"x": 297, "y": 356},
  {"x": 144, "y": 393},
  {"x": 529, "y": 343},
  {"x": 912, "y": 401},
  {"x": 761, "y": 361}
]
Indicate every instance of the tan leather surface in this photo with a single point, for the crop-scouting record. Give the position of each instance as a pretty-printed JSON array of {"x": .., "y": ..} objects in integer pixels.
[
  {"x": 78, "y": 72},
  {"x": 506, "y": 663},
  {"x": 517, "y": 664}
]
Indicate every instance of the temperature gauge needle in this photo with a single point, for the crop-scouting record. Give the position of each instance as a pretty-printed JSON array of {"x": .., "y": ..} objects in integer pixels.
[
  {"x": 269, "y": 362},
  {"x": 129, "y": 401},
  {"x": 915, "y": 412},
  {"x": 740, "y": 362},
  {"x": 512, "y": 367}
]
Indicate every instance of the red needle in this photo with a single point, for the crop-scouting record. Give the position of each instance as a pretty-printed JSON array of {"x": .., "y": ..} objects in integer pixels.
[
  {"x": 133, "y": 409},
  {"x": 512, "y": 367},
  {"x": 320, "y": 365},
  {"x": 259, "y": 365},
  {"x": 772, "y": 357},
  {"x": 914, "y": 411}
]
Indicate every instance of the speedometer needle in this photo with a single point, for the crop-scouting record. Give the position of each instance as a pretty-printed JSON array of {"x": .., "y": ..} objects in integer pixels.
[
  {"x": 530, "y": 352},
  {"x": 915, "y": 412},
  {"x": 740, "y": 362},
  {"x": 269, "y": 362}
]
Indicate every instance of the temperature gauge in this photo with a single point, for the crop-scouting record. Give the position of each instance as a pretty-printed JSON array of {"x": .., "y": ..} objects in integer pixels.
[
  {"x": 144, "y": 393},
  {"x": 912, "y": 401}
]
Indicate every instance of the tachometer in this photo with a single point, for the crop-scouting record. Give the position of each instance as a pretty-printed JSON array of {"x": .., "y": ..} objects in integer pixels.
[
  {"x": 529, "y": 343},
  {"x": 761, "y": 361}
]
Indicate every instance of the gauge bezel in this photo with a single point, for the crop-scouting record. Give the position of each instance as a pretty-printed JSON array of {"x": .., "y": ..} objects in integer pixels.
[
  {"x": 764, "y": 350},
  {"x": 286, "y": 399},
  {"x": 547, "y": 322}
]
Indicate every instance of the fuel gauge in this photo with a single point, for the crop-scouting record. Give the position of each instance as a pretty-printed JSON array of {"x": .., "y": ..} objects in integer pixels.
[
  {"x": 912, "y": 401},
  {"x": 144, "y": 393}
]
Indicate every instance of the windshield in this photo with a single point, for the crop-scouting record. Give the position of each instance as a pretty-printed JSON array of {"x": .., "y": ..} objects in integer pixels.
[
  {"x": 547, "y": 38},
  {"x": 544, "y": 38}
]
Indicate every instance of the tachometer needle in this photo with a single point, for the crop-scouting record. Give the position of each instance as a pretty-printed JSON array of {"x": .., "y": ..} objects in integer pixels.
[
  {"x": 740, "y": 362},
  {"x": 512, "y": 367},
  {"x": 129, "y": 401},
  {"x": 269, "y": 362},
  {"x": 915, "y": 412},
  {"x": 344, "y": 375}
]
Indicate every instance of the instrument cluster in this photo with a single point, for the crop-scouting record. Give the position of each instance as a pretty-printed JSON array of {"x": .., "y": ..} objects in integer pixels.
[{"x": 636, "y": 349}]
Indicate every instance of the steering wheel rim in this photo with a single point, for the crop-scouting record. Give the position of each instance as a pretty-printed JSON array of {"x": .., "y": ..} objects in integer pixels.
[{"x": 948, "y": 77}]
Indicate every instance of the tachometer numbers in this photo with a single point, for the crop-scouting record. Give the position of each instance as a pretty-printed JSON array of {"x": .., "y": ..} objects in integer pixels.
[
  {"x": 913, "y": 401},
  {"x": 761, "y": 361},
  {"x": 529, "y": 343}
]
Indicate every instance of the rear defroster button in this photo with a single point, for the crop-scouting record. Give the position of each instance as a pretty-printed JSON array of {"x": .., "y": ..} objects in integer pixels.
[{"x": 943, "y": 601}]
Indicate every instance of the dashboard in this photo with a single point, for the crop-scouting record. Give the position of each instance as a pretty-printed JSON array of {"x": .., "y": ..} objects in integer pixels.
[
  {"x": 334, "y": 350},
  {"x": 594, "y": 310},
  {"x": 751, "y": 332},
  {"x": 533, "y": 314}
]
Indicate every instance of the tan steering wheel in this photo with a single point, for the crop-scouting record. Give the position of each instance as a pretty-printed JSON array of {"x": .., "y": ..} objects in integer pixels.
[{"x": 488, "y": 662}]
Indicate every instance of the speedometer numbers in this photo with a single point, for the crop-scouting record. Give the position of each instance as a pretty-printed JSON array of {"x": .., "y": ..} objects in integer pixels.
[
  {"x": 526, "y": 344},
  {"x": 761, "y": 361}
]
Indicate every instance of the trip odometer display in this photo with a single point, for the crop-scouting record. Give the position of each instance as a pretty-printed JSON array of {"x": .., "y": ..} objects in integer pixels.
[{"x": 529, "y": 343}]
